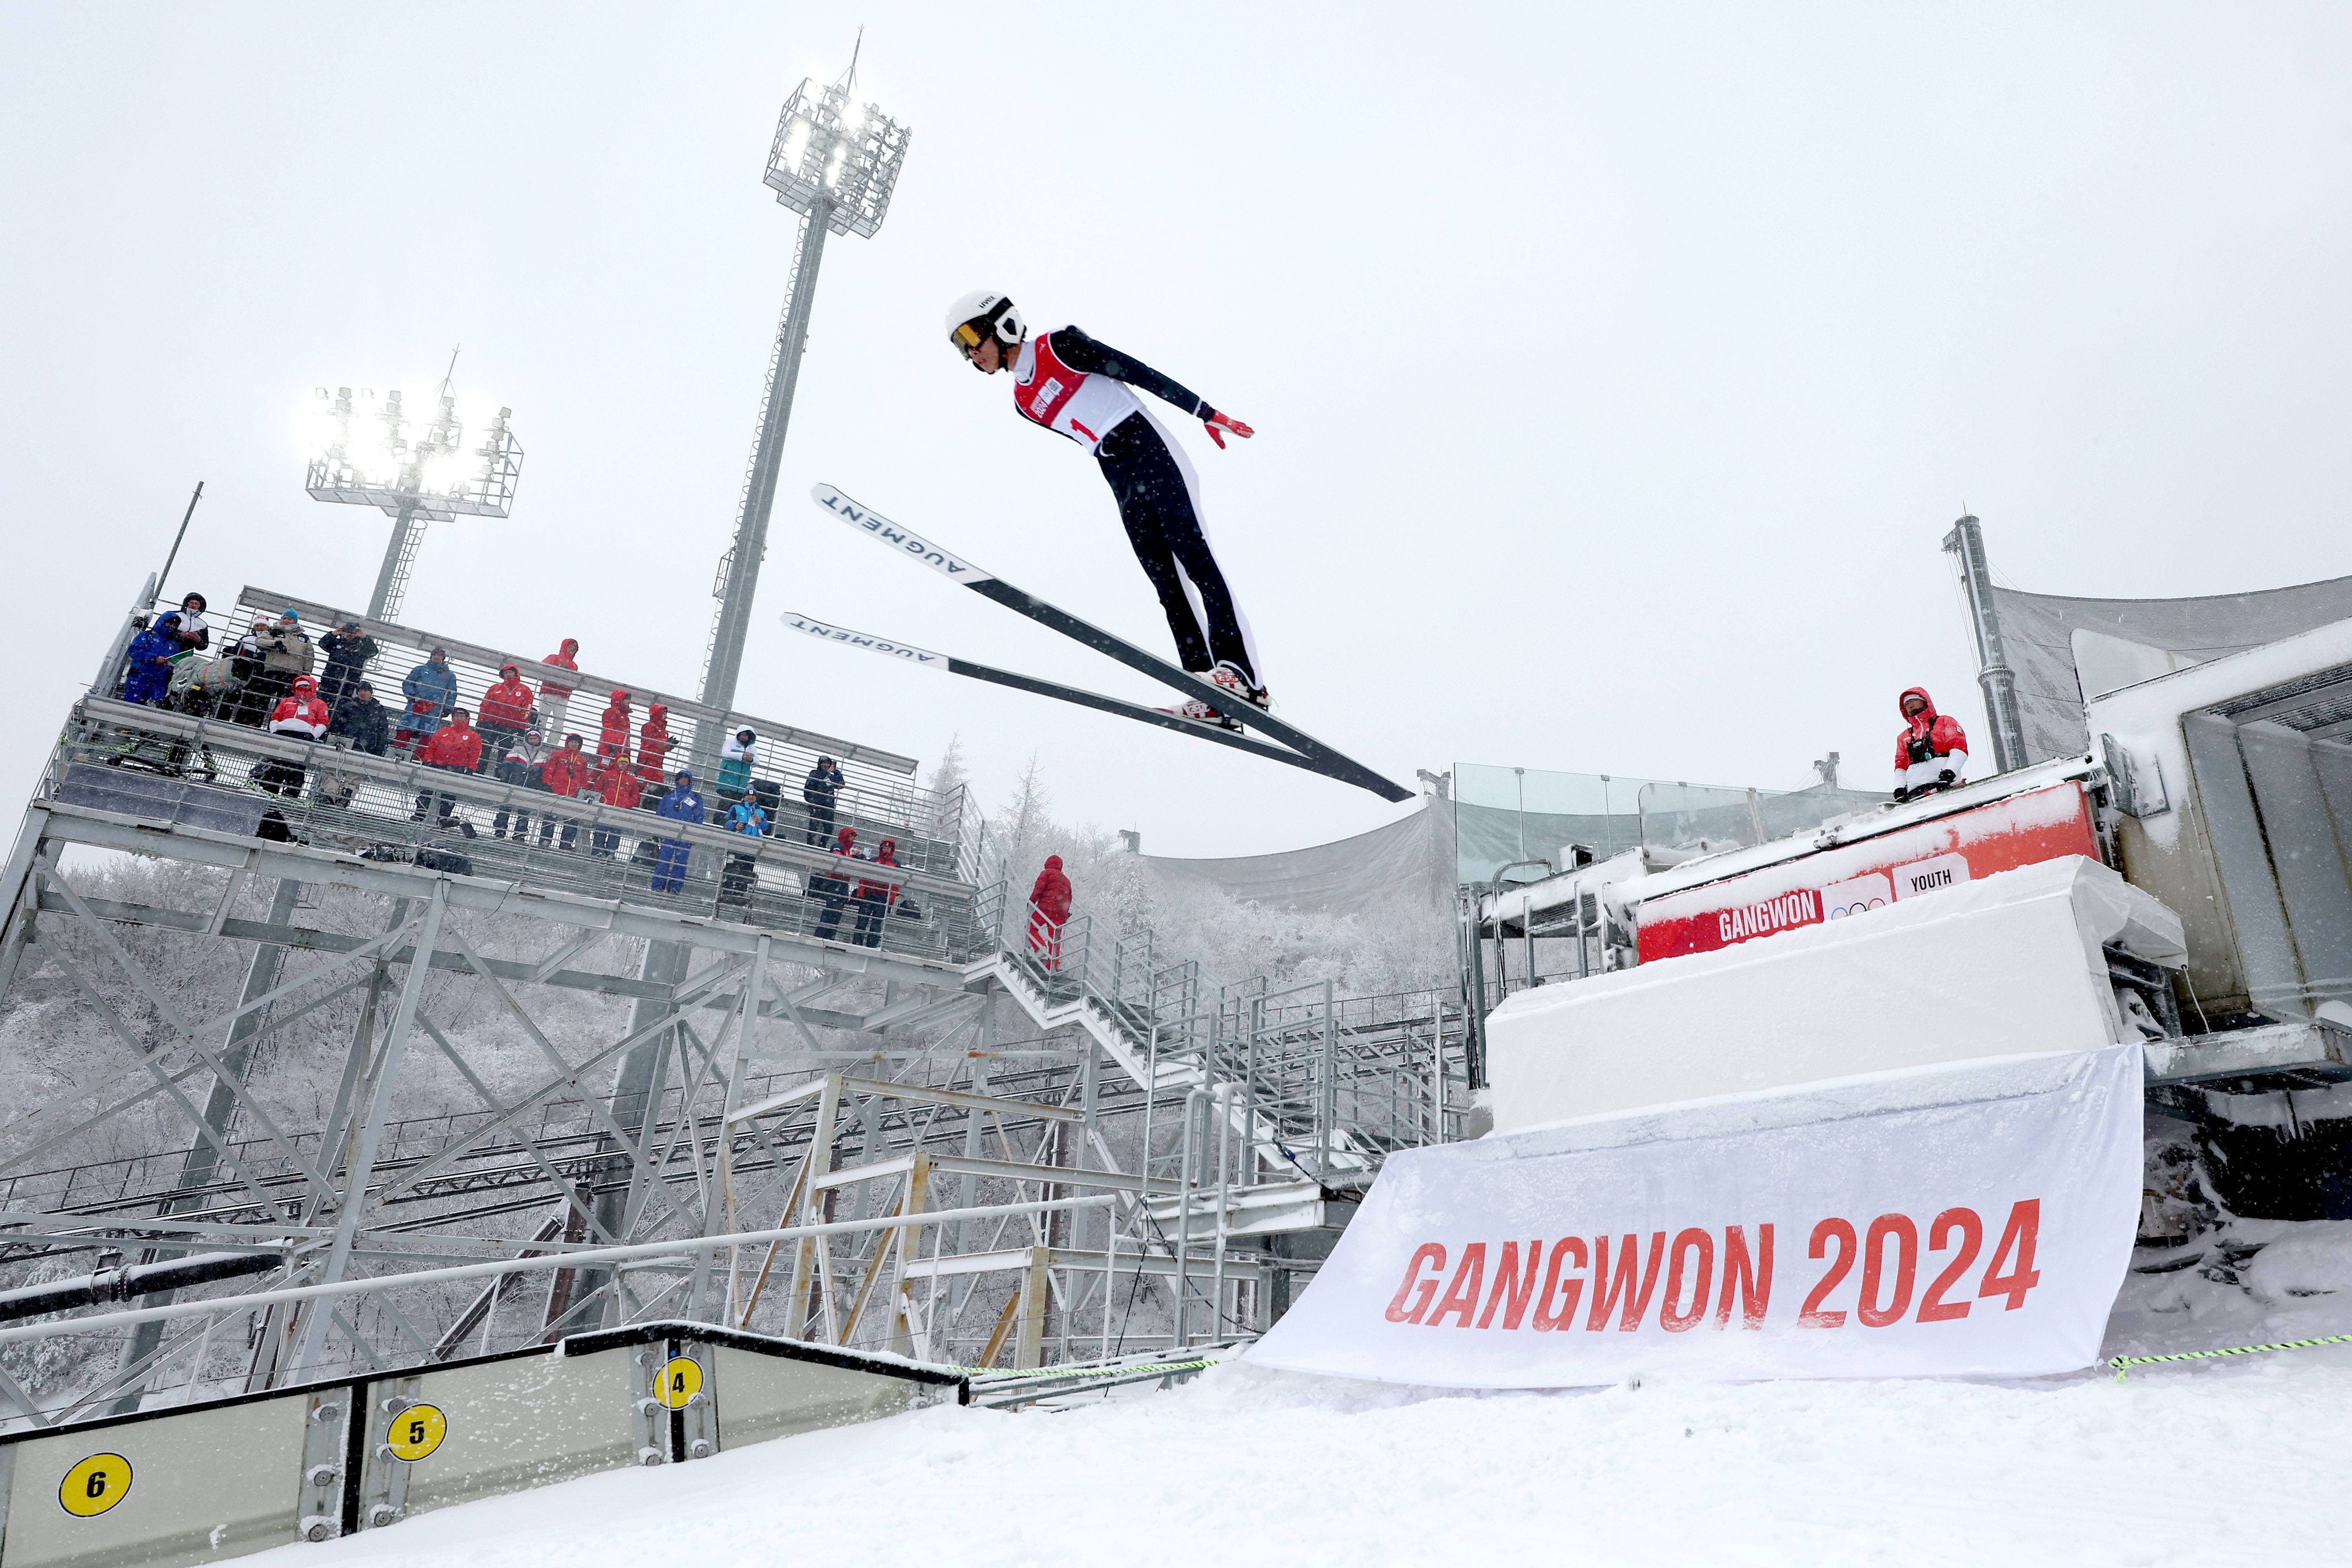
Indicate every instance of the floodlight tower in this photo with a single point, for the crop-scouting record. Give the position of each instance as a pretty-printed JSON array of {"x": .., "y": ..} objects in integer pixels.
[
  {"x": 429, "y": 478},
  {"x": 835, "y": 161}
]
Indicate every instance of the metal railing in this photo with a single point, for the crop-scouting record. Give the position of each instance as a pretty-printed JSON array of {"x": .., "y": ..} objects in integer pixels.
[
  {"x": 1328, "y": 1085},
  {"x": 165, "y": 766}
]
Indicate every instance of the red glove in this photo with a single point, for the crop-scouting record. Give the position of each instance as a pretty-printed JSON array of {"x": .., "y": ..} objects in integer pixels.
[{"x": 1219, "y": 424}]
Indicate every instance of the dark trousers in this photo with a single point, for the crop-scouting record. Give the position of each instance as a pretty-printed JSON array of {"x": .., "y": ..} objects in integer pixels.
[
  {"x": 820, "y": 825},
  {"x": 446, "y": 803},
  {"x": 835, "y": 894},
  {"x": 871, "y": 908},
  {"x": 547, "y": 826},
  {"x": 1165, "y": 532},
  {"x": 280, "y": 778},
  {"x": 494, "y": 740},
  {"x": 522, "y": 823},
  {"x": 336, "y": 680},
  {"x": 257, "y": 697}
]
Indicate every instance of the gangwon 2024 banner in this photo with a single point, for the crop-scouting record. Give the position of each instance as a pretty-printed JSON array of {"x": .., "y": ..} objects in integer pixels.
[{"x": 1971, "y": 1219}]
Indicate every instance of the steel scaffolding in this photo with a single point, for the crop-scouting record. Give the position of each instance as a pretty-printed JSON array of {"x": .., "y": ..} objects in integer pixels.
[{"x": 407, "y": 1138}]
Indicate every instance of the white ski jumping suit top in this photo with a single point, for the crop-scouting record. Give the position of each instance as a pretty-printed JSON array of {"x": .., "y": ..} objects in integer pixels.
[{"x": 1085, "y": 390}]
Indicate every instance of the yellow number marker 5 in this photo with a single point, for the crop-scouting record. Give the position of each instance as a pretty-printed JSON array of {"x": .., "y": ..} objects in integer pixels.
[
  {"x": 95, "y": 1485},
  {"x": 417, "y": 1431}
]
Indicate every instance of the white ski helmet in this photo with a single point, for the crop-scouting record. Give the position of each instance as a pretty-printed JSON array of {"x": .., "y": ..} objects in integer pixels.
[{"x": 981, "y": 312}]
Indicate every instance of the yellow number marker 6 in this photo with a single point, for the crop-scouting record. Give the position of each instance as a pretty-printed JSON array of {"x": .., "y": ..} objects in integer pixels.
[{"x": 95, "y": 1485}]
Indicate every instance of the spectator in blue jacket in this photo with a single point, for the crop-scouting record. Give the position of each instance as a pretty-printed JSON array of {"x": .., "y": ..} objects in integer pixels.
[
  {"x": 740, "y": 876},
  {"x": 150, "y": 662},
  {"x": 682, "y": 803},
  {"x": 431, "y": 690}
]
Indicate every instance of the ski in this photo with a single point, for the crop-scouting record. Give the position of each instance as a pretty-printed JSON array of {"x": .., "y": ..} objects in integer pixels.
[
  {"x": 923, "y": 658},
  {"x": 1335, "y": 764}
]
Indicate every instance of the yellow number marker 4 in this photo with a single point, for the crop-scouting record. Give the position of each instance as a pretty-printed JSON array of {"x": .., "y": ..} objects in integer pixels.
[{"x": 681, "y": 1381}]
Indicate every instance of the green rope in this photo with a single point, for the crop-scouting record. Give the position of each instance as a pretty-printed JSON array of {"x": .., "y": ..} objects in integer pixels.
[
  {"x": 1091, "y": 1371},
  {"x": 2122, "y": 1364}
]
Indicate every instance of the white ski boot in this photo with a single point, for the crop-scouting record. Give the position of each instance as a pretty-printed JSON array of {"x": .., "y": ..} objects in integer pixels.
[
  {"x": 1200, "y": 713},
  {"x": 1228, "y": 675}
]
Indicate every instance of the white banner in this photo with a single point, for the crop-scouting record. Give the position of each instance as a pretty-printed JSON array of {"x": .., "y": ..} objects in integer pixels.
[{"x": 1967, "y": 1219}]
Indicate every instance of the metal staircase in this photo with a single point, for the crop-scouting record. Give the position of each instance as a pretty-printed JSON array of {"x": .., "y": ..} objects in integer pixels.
[{"x": 1301, "y": 1094}]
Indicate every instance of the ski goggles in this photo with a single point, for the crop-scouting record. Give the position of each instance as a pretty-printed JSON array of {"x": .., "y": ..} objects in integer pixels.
[{"x": 966, "y": 337}]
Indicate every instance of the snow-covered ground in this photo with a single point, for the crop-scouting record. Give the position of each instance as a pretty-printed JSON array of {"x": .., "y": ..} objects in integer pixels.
[{"x": 2227, "y": 1461}]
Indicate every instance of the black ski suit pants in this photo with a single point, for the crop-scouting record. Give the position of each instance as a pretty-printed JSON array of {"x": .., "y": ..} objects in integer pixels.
[{"x": 1157, "y": 507}]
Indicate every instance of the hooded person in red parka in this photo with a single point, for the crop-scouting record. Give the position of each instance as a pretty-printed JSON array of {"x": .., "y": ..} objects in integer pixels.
[
  {"x": 506, "y": 713},
  {"x": 554, "y": 699},
  {"x": 615, "y": 721},
  {"x": 1932, "y": 752},
  {"x": 653, "y": 749},
  {"x": 298, "y": 716},
  {"x": 1049, "y": 907}
]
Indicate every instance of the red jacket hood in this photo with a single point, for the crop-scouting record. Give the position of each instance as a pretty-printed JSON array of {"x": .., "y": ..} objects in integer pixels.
[
  {"x": 1927, "y": 716},
  {"x": 657, "y": 717},
  {"x": 620, "y": 699},
  {"x": 303, "y": 685},
  {"x": 570, "y": 647},
  {"x": 846, "y": 837}
]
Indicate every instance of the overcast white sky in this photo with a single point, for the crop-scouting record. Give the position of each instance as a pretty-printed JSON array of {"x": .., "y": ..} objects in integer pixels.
[{"x": 1617, "y": 369}]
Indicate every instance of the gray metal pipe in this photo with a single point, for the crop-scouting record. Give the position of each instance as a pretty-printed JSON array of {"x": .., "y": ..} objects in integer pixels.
[
  {"x": 140, "y": 1279},
  {"x": 1993, "y": 674}
]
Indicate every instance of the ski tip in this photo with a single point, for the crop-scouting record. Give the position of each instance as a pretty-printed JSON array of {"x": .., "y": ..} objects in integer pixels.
[
  {"x": 905, "y": 540},
  {"x": 828, "y": 631}
]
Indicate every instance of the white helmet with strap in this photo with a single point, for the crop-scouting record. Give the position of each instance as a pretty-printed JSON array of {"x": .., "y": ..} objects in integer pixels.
[{"x": 978, "y": 315}]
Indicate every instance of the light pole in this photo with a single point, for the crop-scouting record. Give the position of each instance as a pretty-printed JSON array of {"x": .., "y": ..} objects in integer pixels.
[
  {"x": 835, "y": 161},
  {"x": 1966, "y": 541},
  {"x": 431, "y": 478}
]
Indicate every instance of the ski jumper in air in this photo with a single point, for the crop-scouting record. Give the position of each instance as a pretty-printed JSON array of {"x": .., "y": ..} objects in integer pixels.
[{"x": 1077, "y": 387}]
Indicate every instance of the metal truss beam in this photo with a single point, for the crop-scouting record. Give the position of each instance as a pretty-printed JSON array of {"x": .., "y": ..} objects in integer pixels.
[{"x": 332, "y": 869}]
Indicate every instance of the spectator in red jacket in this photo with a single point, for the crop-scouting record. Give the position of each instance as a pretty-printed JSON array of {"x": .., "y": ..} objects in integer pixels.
[
  {"x": 654, "y": 746},
  {"x": 1049, "y": 909},
  {"x": 616, "y": 718},
  {"x": 618, "y": 786},
  {"x": 566, "y": 774},
  {"x": 300, "y": 716},
  {"x": 874, "y": 899},
  {"x": 1932, "y": 752},
  {"x": 835, "y": 890},
  {"x": 457, "y": 748},
  {"x": 506, "y": 713},
  {"x": 553, "y": 699}
]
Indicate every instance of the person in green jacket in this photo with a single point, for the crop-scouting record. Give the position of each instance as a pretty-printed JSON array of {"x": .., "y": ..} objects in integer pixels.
[{"x": 736, "y": 760}]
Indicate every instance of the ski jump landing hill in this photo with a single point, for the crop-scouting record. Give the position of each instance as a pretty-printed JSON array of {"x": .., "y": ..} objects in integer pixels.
[{"x": 1887, "y": 1096}]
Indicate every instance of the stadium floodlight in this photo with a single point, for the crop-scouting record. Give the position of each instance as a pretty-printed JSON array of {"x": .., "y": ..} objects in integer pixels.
[
  {"x": 366, "y": 459},
  {"x": 835, "y": 161}
]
